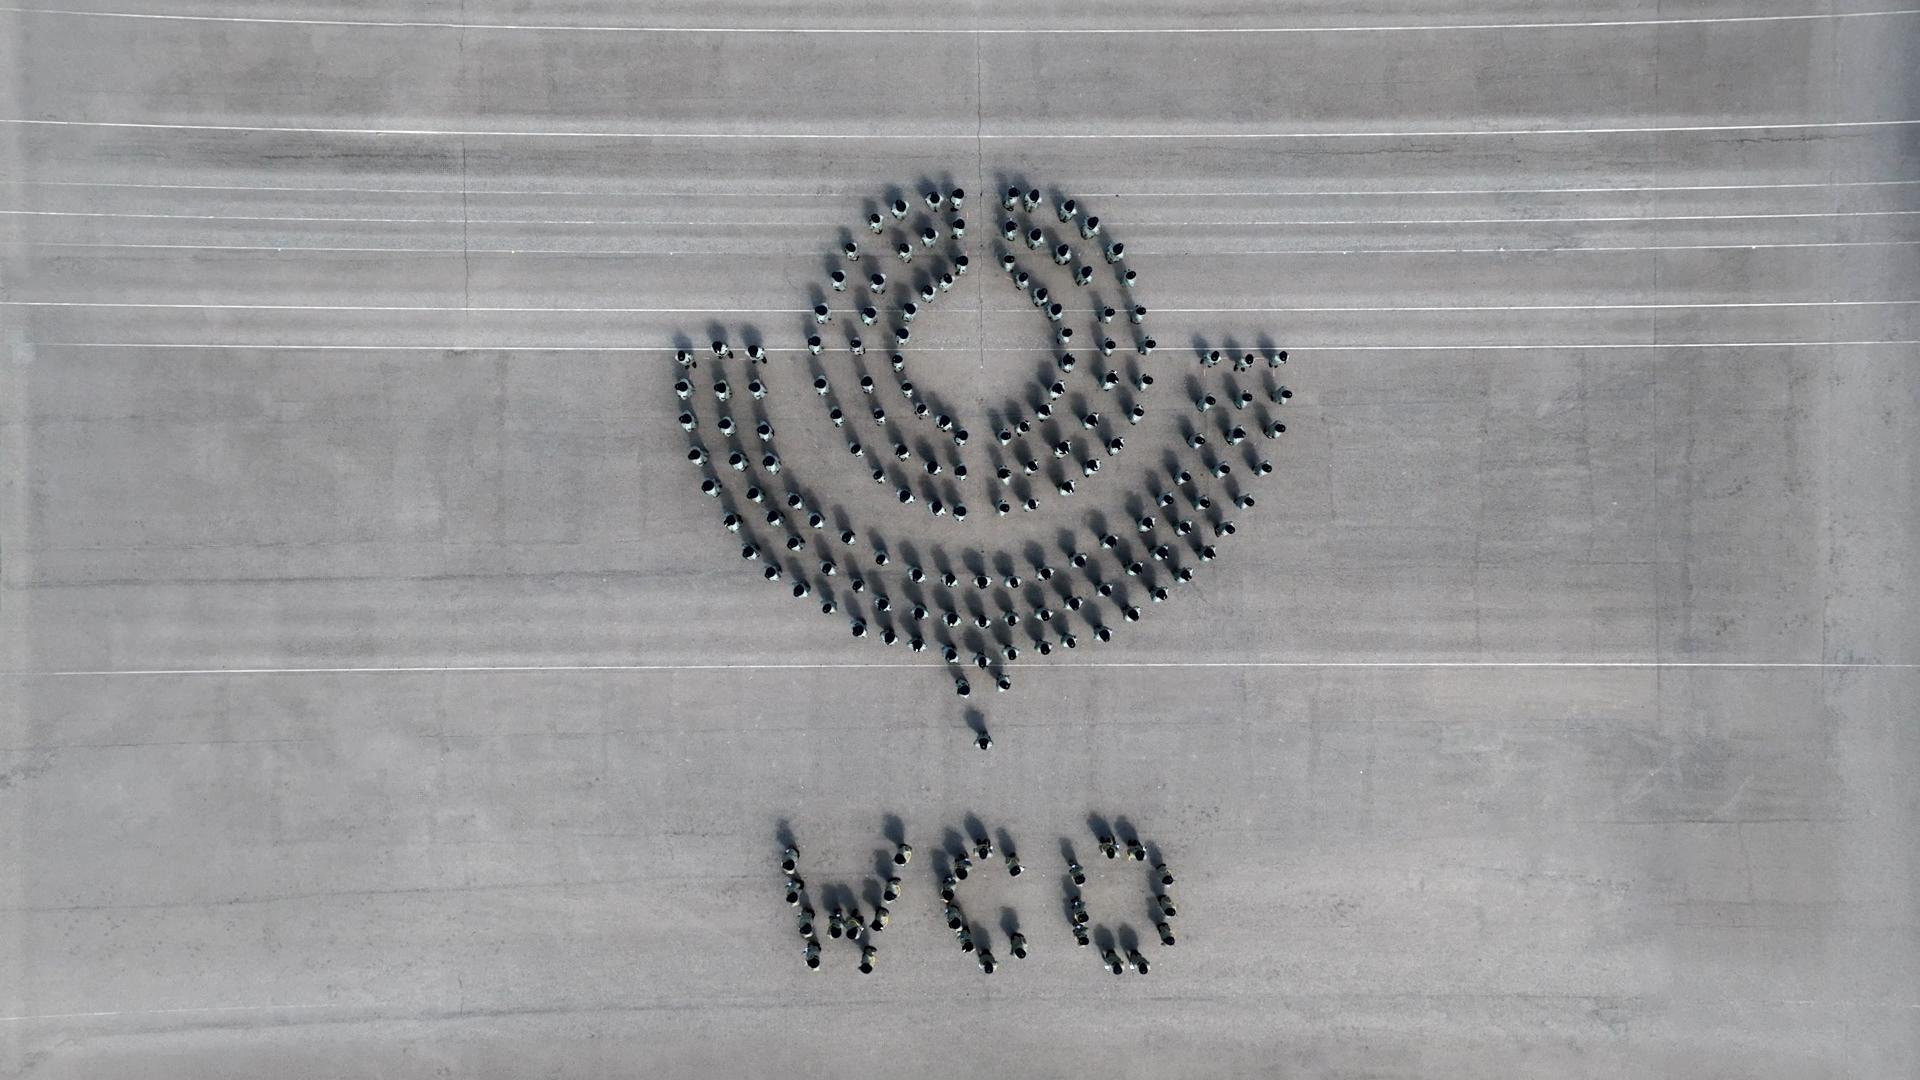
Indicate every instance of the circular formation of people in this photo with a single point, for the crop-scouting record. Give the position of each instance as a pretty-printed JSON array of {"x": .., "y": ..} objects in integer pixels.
[
  {"x": 980, "y": 611},
  {"x": 860, "y": 927}
]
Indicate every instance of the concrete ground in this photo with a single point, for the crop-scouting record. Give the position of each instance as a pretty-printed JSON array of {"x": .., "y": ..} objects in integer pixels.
[{"x": 382, "y": 699}]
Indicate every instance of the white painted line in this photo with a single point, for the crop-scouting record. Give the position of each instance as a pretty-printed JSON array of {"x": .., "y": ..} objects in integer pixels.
[
  {"x": 473, "y": 669},
  {"x": 415, "y": 1014},
  {"x": 1596, "y": 249},
  {"x": 419, "y": 308},
  {"x": 789, "y": 223},
  {"x": 112, "y": 1013},
  {"x": 976, "y": 136},
  {"x": 618, "y": 193},
  {"x": 476, "y": 310},
  {"x": 664, "y": 349},
  {"x": 970, "y": 31},
  {"x": 635, "y": 252}
]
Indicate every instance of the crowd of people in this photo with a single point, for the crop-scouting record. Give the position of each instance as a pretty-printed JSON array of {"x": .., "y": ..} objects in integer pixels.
[
  {"x": 980, "y": 610},
  {"x": 847, "y": 920},
  {"x": 980, "y": 613}
]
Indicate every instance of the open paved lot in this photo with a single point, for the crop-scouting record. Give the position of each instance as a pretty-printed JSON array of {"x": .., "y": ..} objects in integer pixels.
[{"x": 381, "y": 699}]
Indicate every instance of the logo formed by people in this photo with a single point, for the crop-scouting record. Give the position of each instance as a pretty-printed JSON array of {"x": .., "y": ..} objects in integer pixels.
[{"x": 980, "y": 541}]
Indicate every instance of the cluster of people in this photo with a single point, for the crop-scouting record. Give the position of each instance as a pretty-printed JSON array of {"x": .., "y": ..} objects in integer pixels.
[
  {"x": 1076, "y": 905},
  {"x": 845, "y": 918},
  {"x": 959, "y": 865},
  {"x": 982, "y": 620}
]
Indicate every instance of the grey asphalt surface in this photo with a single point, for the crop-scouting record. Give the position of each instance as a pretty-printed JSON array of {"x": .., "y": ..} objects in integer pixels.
[{"x": 381, "y": 698}]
